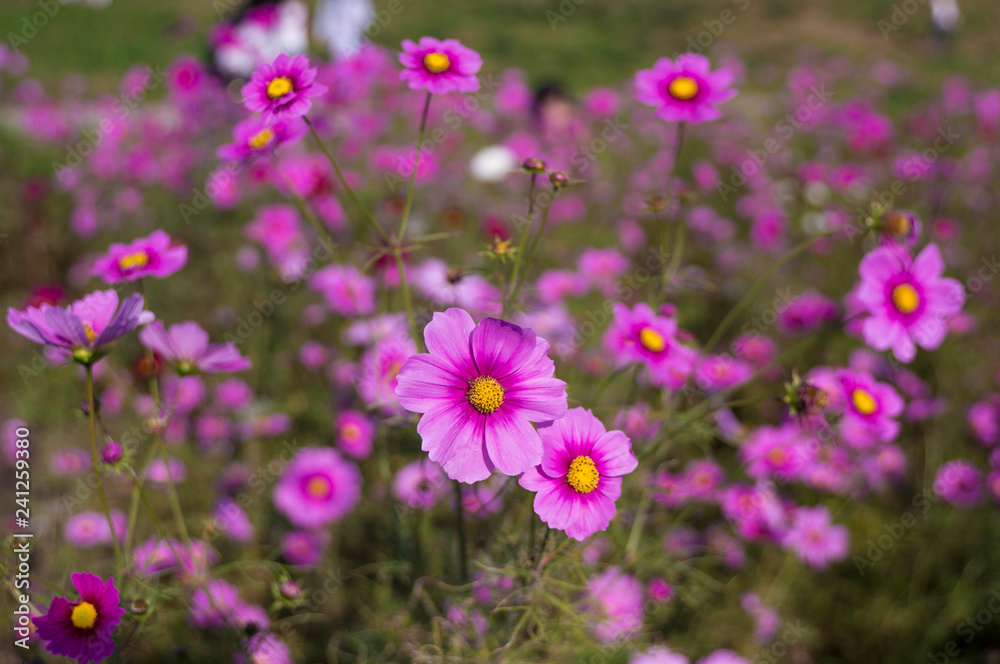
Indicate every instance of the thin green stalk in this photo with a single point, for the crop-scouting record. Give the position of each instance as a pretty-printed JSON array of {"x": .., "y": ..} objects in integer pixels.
[
  {"x": 407, "y": 299},
  {"x": 413, "y": 176},
  {"x": 463, "y": 561},
  {"x": 747, "y": 298},
  {"x": 96, "y": 461},
  {"x": 519, "y": 255},
  {"x": 175, "y": 502},
  {"x": 534, "y": 246},
  {"x": 340, "y": 176}
]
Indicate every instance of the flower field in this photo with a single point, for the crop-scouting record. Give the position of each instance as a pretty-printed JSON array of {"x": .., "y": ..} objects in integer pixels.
[{"x": 393, "y": 354}]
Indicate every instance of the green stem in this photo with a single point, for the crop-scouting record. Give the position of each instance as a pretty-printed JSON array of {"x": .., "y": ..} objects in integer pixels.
[
  {"x": 343, "y": 182},
  {"x": 519, "y": 256},
  {"x": 463, "y": 561},
  {"x": 534, "y": 246},
  {"x": 175, "y": 503},
  {"x": 407, "y": 299},
  {"x": 96, "y": 461},
  {"x": 413, "y": 176},
  {"x": 747, "y": 298}
]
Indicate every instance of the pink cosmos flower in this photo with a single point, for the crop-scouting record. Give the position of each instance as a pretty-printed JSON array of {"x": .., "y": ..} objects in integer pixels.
[
  {"x": 84, "y": 328},
  {"x": 346, "y": 291},
  {"x": 439, "y": 66},
  {"x": 317, "y": 488},
  {"x": 685, "y": 90},
  {"x": 960, "y": 483},
  {"x": 284, "y": 89},
  {"x": 814, "y": 539},
  {"x": 186, "y": 346},
  {"x": 782, "y": 452},
  {"x": 617, "y": 600},
  {"x": 716, "y": 373},
  {"x": 378, "y": 372},
  {"x": 82, "y": 628},
  {"x": 659, "y": 655},
  {"x": 869, "y": 408},
  {"x": 479, "y": 388},
  {"x": 807, "y": 313},
  {"x": 639, "y": 335},
  {"x": 355, "y": 433},
  {"x": 255, "y": 137},
  {"x": 305, "y": 547},
  {"x": 723, "y": 657},
  {"x": 419, "y": 484},
  {"x": 580, "y": 476},
  {"x": 909, "y": 302},
  {"x": 145, "y": 257}
]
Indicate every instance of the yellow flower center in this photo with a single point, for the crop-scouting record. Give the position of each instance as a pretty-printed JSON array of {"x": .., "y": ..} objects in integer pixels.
[
  {"x": 895, "y": 223},
  {"x": 84, "y": 615},
  {"x": 683, "y": 88},
  {"x": 436, "y": 62},
  {"x": 652, "y": 340},
  {"x": 583, "y": 475},
  {"x": 319, "y": 487},
  {"x": 777, "y": 456},
  {"x": 279, "y": 87},
  {"x": 135, "y": 259},
  {"x": 863, "y": 401},
  {"x": 351, "y": 432},
  {"x": 485, "y": 394},
  {"x": 905, "y": 297},
  {"x": 262, "y": 138},
  {"x": 88, "y": 329}
]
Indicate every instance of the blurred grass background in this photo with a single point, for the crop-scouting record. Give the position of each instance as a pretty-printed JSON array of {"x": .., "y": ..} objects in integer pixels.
[{"x": 599, "y": 42}]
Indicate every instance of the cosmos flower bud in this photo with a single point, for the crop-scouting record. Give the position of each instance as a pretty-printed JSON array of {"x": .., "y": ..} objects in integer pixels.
[
  {"x": 534, "y": 165},
  {"x": 290, "y": 590},
  {"x": 559, "y": 179},
  {"x": 138, "y": 607},
  {"x": 112, "y": 453}
]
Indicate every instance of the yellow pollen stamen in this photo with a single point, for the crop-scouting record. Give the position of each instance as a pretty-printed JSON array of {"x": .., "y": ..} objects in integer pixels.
[
  {"x": 652, "y": 339},
  {"x": 683, "y": 88},
  {"x": 895, "y": 223},
  {"x": 89, "y": 331},
  {"x": 84, "y": 615},
  {"x": 436, "y": 62},
  {"x": 135, "y": 259},
  {"x": 279, "y": 87},
  {"x": 583, "y": 475},
  {"x": 350, "y": 432},
  {"x": 777, "y": 456},
  {"x": 485, "y": 394},
  {"x": 863, "y": 401},
  {"x": 905, "y": 297},
  {"x": 262, "y": 138},
  {"x": 318, "y": 487}
]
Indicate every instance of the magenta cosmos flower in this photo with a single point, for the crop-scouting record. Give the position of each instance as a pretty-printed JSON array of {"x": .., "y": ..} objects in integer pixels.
[
  {"x": 479, "y": 388},
  {"x": 439, "y": 66},
  {"x": 814, "y": 538},
  {"x": 255, "y": 137},
  {"x": 909, "y": 301},
  {"x": 282, "y": 90},
  {"x": 317, "y": 488},
  {"x": 640, "y": 335},
  {"x": 81, "y": 629},
  {"x": 84, "y": 328},
  {"x": 145, "y": 257},
  {"x": 617, "y": 600},
  {"x": 580, "y": 476},
  {"x": 960, "y": 483},
  {"x": 685, "y": 90},
  {"x": 186, "y": 346}
]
